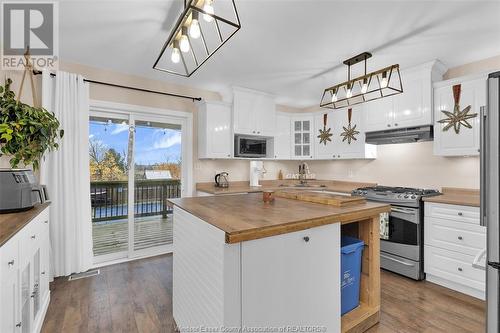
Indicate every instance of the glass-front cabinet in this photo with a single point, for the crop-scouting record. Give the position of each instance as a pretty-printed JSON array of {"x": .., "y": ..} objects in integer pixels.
[{"x": 302, "y": 129}]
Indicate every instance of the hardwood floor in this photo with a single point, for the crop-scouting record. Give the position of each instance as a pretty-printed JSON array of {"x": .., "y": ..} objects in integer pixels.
[{"x": 137, "y": 297}]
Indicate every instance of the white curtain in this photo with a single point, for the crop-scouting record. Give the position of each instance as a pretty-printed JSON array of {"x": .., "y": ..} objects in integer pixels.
[{"x": 67, "y": 176}]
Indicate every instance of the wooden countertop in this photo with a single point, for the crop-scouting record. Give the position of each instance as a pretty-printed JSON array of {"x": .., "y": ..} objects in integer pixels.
[
  {"x": 11, "y": 223},
  {"x": 244, "y": 186},
  {"x": 457, "y": 196},
  {"x": 246, "y": 217}
]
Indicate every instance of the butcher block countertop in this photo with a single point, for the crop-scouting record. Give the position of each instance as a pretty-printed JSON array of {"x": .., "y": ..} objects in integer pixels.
[
  {"x": 244, "y": 186},
  {"x": 11, "y": 223},
  {"x": 456, "y": 196},
  {"x": 246, "y": 217}
]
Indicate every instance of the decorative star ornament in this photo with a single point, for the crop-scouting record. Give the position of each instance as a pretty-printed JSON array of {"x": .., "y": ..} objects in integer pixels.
[
  {"x": 350, "y": 131},
  {"x": 457, "y": 118},
  {"x": 324, "y": 134}
]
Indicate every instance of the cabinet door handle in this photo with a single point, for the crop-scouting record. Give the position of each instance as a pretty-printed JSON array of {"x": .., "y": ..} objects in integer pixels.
[
  {"x": 396, "y": 124},
  {"x": 258, "y": 132},
  {"x": 11, "y": 263},
  {"x": 388, "y": 125},
  {"x": 460, "y": 269},
  {"x": 46, "y": 222},
  {"x": 460, "y": 214},
  {"x": 306, "y": 239},
  {"x": 460, "y": 237},
  {"x": 33, "y": 236},
  {"x": 43, "y": 273},
  {"x": 18, "y": 324},
  {"x": 253, "y": 131}
]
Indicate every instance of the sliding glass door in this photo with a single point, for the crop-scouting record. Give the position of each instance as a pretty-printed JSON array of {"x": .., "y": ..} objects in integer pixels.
[{"x": 135, "y": 166}]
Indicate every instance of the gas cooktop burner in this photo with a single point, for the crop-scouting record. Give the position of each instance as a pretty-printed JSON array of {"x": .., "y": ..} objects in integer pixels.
[{"x": 394, "y": 194}]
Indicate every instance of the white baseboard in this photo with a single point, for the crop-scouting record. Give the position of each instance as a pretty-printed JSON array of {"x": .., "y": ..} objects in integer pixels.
[
  {"x": 37, "y": 325},
  {"x": 456, "y": 286}
]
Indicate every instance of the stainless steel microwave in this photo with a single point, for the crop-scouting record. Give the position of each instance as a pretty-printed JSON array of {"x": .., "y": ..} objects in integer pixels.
[{"x": 250, "y": 146}]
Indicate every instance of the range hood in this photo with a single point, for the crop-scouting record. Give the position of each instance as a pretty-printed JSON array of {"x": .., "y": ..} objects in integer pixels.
[{"x": 401, "y": 135}]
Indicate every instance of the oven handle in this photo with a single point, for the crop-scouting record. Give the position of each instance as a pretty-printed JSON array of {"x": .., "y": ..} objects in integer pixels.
[
  {"x": 404, "y": 211},
  {"x": 398, "y": 261}
]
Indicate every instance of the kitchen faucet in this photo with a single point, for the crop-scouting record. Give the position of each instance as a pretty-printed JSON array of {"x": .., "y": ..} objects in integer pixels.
[{"x": 303, "y": 171}]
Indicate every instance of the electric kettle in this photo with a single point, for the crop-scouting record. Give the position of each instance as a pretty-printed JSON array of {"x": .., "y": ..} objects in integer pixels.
[{"x": 221, "y": 180}]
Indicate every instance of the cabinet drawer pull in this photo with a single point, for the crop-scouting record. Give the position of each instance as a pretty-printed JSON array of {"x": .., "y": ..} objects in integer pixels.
[
  {"x": 18, "y": 324},
  {"x": 33, "y": 236},
  {"x": 460, "y": 238},
  {"x": 46, "y": 222},
  {"x": 460, "y": 214},
  {"x": 396, "y": 124},
  {"x": 43, "y": 273},
  {"x": 306, "y": 239},
  {"x": 460, "y": 269},
  {"x": 388, "y": 125},
  {"x": 33, "y": 294},
  {"x": 11, "y": 263}
]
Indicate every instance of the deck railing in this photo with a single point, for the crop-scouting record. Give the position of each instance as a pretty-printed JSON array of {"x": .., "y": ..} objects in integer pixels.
[{"x": 109, "y": 199}]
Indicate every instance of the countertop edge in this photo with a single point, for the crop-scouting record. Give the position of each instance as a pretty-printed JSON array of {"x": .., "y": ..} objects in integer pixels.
[{"x": 32, "y": 213}]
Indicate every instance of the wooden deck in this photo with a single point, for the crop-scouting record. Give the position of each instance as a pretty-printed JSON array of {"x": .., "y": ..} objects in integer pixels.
[{"x": 150, "y": 231}]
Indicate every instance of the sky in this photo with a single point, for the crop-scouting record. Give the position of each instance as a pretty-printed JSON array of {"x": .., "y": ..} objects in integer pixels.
[{"x": 152, "y": 144}]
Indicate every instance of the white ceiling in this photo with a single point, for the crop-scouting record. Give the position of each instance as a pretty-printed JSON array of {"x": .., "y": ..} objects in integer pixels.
[{"x": 290, "y": 48}]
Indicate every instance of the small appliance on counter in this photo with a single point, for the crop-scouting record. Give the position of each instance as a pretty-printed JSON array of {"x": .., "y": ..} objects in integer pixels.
[
  {"x": 19, "y": 191},
  {"x": 221, "y": 180},
  {"x": 256, "y": 170}
]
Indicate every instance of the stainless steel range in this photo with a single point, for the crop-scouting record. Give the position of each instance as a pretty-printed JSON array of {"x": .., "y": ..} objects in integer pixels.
[{"x": 401, "y": 246}]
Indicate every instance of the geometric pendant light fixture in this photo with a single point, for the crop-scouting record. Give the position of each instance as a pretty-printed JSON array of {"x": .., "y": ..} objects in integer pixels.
[
  {"x": 368, "y": 87},
  {"x": 202, "y": 28}
]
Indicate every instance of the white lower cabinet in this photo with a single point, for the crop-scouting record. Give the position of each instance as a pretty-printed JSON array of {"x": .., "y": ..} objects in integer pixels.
[
  {"x": 453, "y": 240},
  {"x": 285, "y": 281},
  {"x": 290, "y": 280},
  {"x": 24, "y": 280}
]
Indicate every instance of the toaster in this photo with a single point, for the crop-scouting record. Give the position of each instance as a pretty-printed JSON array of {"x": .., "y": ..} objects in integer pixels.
[{"x": 18, "y": 190}]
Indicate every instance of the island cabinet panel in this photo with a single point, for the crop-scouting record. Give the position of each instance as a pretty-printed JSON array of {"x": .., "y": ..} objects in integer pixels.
[
  {"x": 206, "y": 280},
  {"x": 292, "y": 279}
]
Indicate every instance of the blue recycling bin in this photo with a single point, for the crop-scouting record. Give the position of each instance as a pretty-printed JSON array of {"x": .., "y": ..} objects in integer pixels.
[{"x": 350, "y": 272}]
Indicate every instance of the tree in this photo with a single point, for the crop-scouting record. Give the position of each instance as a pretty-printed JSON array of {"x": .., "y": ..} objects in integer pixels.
[{"x": 106, "y": 163}]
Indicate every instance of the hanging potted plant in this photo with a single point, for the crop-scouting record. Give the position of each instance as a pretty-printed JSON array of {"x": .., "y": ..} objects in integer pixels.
[{"x": 26, "y": 132}]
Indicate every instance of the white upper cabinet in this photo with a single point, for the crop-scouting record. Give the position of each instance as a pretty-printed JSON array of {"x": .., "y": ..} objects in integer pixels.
[
  {"x": 339, "y": 148},
  {"x": 214, "y": 130},
  {"x": 328, "y": 151},
  {"x": 254, "y": 112},
  {"x": 302, "y": 128},
  {"x": 411, "y": 108},
  {"x": 357, "y": 148},
  {"x": 282, "y": 143},
  {"x": 467, "y": 141}
]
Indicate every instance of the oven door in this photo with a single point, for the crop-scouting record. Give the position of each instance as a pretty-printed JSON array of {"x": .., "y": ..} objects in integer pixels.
[{"x": 404, "y": 233}]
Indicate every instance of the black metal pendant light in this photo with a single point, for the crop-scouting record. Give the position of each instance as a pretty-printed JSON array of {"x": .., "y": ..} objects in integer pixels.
[
  {"x": 202, "y": 28},
  {"x": 382, "y": 83}
]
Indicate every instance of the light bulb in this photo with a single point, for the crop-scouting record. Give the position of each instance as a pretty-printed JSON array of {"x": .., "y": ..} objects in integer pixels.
[
  {"x": 349, "y": 92},
  {"x": 383, "y": 82},
  {"x": 334, "y": 96},
  {"x": 364, "y": 87},
  {"x": 176, "y": 55},
  {"x": 184, "y": 42},
  {"x": 207, "y": 7},
  {"x": 194, "y": 28}
]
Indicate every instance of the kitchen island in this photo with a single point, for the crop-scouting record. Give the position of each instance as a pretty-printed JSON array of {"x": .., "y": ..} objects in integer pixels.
[{"x": 242, "y": 263}]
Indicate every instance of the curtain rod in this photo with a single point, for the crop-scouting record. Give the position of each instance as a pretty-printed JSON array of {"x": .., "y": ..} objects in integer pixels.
[{"x": 38, "y": 72}]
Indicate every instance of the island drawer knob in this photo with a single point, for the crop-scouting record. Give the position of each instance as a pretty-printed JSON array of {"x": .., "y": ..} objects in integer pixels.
[
  {"x": 460, "y": 214},
  {"x": 306, "y": 239},
  {"x": 460, "y": 269},
  {"x": 460, "y": 238}
]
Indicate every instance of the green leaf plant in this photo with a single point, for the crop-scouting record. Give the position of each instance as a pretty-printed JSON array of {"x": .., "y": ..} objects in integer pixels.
[{"x": 26, "y": 132}]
